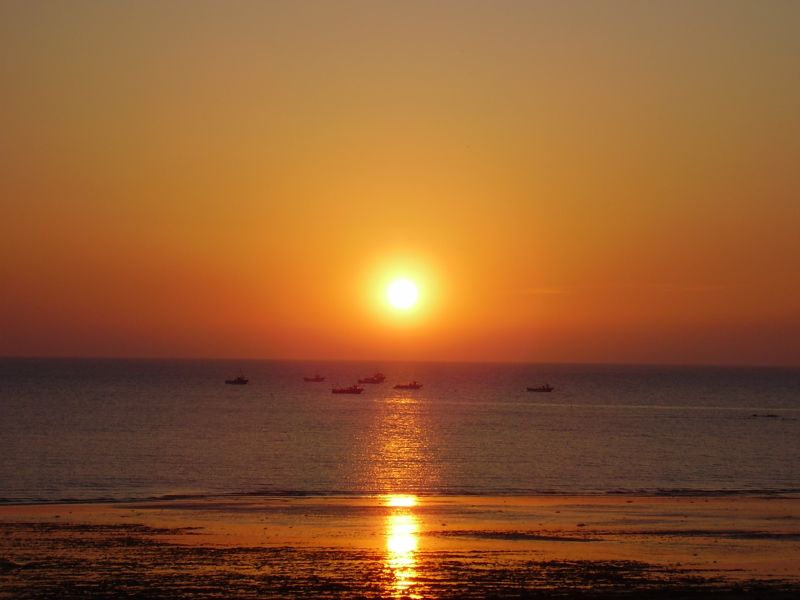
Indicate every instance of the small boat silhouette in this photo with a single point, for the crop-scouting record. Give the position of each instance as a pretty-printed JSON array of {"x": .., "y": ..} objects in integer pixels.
[
  {"x": 240, "y": 380},
  {"x": 377, "y": 378},
  {"x": 542, "y": 388},
  {"x": 353, "y": 389},
  {"x": 408, "y": 386},
  {"x": 316, "y": 378}
]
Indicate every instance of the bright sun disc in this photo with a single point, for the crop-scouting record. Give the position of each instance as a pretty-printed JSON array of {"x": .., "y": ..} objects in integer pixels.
[{"x": 402, "y": 294}]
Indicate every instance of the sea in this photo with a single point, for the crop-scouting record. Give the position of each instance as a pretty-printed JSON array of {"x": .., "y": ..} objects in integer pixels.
[{"x": 76, "y": 430}]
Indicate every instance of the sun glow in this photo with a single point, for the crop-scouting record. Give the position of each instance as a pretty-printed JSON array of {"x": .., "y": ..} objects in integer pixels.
[{"x": 402, "y": 294}]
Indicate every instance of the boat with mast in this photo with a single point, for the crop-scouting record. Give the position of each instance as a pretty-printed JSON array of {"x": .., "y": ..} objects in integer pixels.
[{"x": 377, "y": 378}]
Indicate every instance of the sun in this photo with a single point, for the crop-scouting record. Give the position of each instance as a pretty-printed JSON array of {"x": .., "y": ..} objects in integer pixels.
[{"x": 402, "y": 294}]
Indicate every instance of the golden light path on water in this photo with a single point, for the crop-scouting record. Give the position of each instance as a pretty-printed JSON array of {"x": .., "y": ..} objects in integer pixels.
[
  {"x": 402, "y": 541},
  {"x": 397, "y": 459}
]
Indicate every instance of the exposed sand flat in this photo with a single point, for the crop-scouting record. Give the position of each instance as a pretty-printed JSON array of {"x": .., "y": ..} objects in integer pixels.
[{"x": 402, "y": 547}]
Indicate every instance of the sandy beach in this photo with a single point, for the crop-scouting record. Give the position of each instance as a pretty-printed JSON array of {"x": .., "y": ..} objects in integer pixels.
[{"x": 399, "y": 546}]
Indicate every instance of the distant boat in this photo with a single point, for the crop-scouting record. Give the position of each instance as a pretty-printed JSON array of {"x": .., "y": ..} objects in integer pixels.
[
  {"x": 353, "y": 389},
  {"x": 238, "y": 381},
  {"x": 315, "y": 378},
  {"x": 377, "y": 378},
  {"x": 408, "y": 386},
  {"x": 542, "y": 388}
]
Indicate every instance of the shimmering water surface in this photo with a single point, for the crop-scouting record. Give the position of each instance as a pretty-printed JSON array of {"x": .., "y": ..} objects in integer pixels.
[{"x": 116, "y": 429}]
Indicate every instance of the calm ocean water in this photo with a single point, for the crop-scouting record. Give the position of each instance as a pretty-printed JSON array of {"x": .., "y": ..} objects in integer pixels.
[{"x": 123, "y": 429}]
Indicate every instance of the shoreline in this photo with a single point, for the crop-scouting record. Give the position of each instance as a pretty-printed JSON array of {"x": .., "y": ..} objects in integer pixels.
[
  {"x": 422, "y": 546},
  {"x": 763, "y": 494}
]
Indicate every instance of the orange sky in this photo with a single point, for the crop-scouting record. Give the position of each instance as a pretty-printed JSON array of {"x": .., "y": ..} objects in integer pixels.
[{"x": 604, "y": 181}]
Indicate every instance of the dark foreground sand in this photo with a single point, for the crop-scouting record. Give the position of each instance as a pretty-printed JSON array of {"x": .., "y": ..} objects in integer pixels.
[{"x": 438, "y": 547}]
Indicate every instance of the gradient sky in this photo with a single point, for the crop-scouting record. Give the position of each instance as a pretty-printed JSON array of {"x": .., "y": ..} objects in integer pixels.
[{"x": 567, "y": 181}]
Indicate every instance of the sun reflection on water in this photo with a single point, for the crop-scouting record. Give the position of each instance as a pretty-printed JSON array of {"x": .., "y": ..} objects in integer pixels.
[
  {"x": 401, "y": 501},
  {"x": 399, "y": 458},
  {"x": 402, "y": 541}
]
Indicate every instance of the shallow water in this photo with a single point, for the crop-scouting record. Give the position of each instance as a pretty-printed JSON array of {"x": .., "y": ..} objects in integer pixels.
[{"x": 116, "y": 429}]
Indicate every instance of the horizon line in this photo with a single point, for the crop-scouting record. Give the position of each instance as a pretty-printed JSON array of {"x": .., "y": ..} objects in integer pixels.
[{"x": 403, "y": 360}]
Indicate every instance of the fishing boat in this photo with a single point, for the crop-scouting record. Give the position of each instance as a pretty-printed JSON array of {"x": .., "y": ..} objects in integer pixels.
[
  {"x": 240, "y": 380},
  {"x": 316, "y": 378},
  {"x": 377, "y": 378},
  {"x": 542, "y": 388},
  {"x": 353, "y": 389},
  {"x": 408, "y": 386}
]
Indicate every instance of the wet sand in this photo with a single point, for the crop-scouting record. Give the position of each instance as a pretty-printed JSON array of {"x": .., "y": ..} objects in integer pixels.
[{"x": 429, "y": 547}]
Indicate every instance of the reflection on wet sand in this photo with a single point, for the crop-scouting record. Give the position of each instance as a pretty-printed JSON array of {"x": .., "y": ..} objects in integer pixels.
[{"x": 402, "y": 541}]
